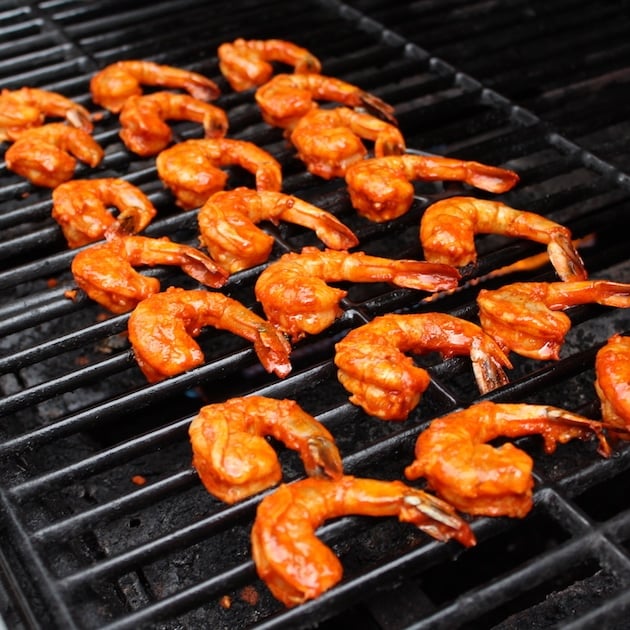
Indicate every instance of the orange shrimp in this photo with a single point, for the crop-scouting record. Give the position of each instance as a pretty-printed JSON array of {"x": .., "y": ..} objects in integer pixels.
[
  {"x": 144, "y": 131},
  {"x": 114, "y": 84},
  {"x": 192, "y": 169},
  {"x": 227, "y": 222},
  {"x": 525, "y": 317},
  {"x": 297, "y": 566},
  {"x": 235, "y": 461},
  {"x": 296, "y": 298},
  {"x": 29, "y": 107},
  {"x": 612, "y": 384},
  {"x": 381, "y": 188},
  {"x": 246, "y": 63},
  {"x": 106, "y": 271},
  {"x": 285, "y": 98},
  {"x": 163, "y": 326},
  {"x": 478, "y": 478},
  {"x": 448, "y": 228},
  {"x": 328, "y": 141},
  {"x": 81, "y": 206},
  {"x": 47, "y": 155},
  {"x": 386, "y": 383}
]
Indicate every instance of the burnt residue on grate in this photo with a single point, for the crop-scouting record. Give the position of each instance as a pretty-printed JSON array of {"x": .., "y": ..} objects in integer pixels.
[{"x": 103, "y": 520}]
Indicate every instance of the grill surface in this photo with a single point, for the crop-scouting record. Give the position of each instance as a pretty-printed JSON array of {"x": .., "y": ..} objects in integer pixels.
[{"x": 540, "y": 87}]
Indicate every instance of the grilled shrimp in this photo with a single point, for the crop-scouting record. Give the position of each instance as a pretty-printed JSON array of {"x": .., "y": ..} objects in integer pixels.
[
  {"x": 235, "y": 461},
  {"x": 192, "y": 169},
  {"x": 525, "y": 317},
  {"x": 329, "y": 140},
  {"x": 296, "y": 298},
  {"x": 80, "y": 206},
  {"x": 163, "y": 326},
  {"x": 47, "y": 155},
  {"x": 144, "y": 131},
  {"x": 386, "y": 383},
  {"x": 285, "y": 98},
  {"x": 227, "y": 222},
  {"x": 246, "y": 63},
  {"x": 448, "y": 228},
  {"x": 29, "y": 107},
  {"x": 106, "y": 271},
  {"x": 297, "y": 566},
  {"x": 381, "y": 188},
  {"x": 113, "y": 85},
  {"x": 478, "y": 478},
  {"x": 612, "y": 384}
]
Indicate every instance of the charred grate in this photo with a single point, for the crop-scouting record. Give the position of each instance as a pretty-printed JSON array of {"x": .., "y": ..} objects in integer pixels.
[{"x": 84, "y": 547}]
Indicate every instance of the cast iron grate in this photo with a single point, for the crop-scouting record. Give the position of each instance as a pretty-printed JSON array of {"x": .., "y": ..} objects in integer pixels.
[{"x": 84, "y": 547}]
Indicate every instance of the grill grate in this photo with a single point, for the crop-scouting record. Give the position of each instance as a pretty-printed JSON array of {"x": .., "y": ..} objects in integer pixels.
[{"x": 84, "y": 547}]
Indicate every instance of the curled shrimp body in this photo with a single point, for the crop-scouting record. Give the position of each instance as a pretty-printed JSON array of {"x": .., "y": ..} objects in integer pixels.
[
  {"x": 113, "y": 85},
  {"x": 381, "y": 188},
  {"x": 227, "y": 222},
  {"x": 448, "y": 228},
  {"x": 142, "y": 118},
  {"x": 479, "y": 478},
  {"x": 47, "y": 155},
  {"x": 80, "y": 206},
  {"x": 296, "y": 298},
  {"x": 245, "y": 63},
  {"x": 612, "y": 384},
  {"x": 106, "y": 271},
  {"x": 386, "y": 383},
  {"x": 163, "y": 326},
  {"x": 285, "y": 98},
  {"x": 235, "y": 461},
  {"x": 30, "y": 107},
  {"x": 328, "y": 141},
  {"x": 192, "y": 169},
  {"x": 298, "y": 566},
  {"x": 526, "y": 317}
]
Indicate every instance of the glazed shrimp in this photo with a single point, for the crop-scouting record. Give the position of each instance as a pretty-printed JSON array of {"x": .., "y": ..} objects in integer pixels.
[
  {"x": 328, "y": 141},
  {"x": 235, "y": 461},
  {"x": 192, "y": 169},
  {"x": 285, "y": 98},
  {"x": 106, "y": 271},
  {"x": 246, "y": 63},
  {"x": 297, "y": 566},
  {"x": 227, "y": 222},
  {"x": 448, "y": 228},
  {"x": 163, "y": 326},
  {"x": 478, "y": 478},
  {"x": 296, "y": 298},
  {"x": 386, "y": 383},
  {"x": 525, "y": 317},
  {"x": 47, "y": 155},
  {"x": 30, "y": 107},
  {"x": 142, "y": 118},
  {"x": 81, "y": 206},
  {"x": 113, "y": 85},
  {"x": 381, "y": 188},
  {"x": 612, "y": 384}
]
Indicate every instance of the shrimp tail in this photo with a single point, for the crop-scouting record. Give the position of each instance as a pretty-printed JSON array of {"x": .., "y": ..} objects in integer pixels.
[
  {"x": 273, "y": 350},
  {"x": 488, "y": 368},
  {"x": 435, "y": 517},
  {"x": 378, "y": 107},
  {"x": 322, "y": 458},
  {"x": 490, "y": 178},
  {"x": 598, "y": 428},
  {"x": 129, "y": 221},
  {"x": 204, "y": 269},
  {"x": 565, "y": 258},
  {"x": 426, "y": 276},
  {"x": 79, "y": 119}
]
